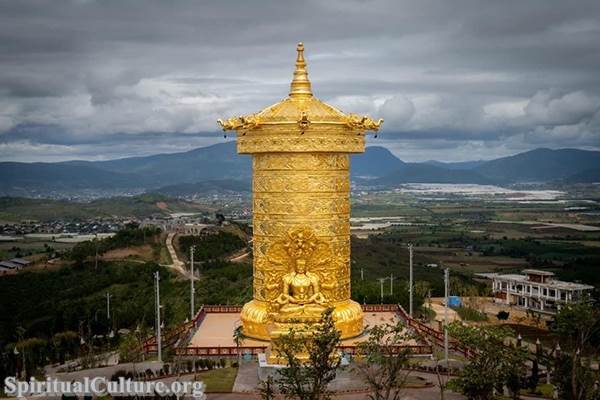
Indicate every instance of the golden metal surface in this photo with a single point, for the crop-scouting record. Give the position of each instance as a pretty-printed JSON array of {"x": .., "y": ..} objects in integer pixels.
[{"x": 301, "y": 209}]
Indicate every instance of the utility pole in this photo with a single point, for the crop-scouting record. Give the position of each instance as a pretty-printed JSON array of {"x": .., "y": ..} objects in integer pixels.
[
  {"x": 192, "y": 282},
  {"x": 362, "y": 274},
  {"x": 410, "y": 280},
  {"x": 96, "y": 259},
  {"x": 381, "y": 280},
  {"x": 158, "y": 323},
  {"x": 391, "y": 284},
  {"x": 446, "y": 289},
  {"x": 108, "y": 296}
]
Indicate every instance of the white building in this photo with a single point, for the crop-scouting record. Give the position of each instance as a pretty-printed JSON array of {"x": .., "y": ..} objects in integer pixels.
[{"x": 536, "y": 290}]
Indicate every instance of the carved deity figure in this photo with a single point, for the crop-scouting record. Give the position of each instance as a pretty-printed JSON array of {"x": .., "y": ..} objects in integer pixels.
[{"x": 301, "y": 296}]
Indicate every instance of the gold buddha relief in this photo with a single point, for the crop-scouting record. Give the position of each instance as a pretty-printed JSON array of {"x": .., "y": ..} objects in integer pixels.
[{"x": 300, "y": 297}]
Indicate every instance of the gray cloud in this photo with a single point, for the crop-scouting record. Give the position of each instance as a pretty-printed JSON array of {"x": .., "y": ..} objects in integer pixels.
[{"x": 454, "y": 80}]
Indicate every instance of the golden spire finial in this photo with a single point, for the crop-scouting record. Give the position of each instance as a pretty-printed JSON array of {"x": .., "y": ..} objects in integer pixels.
[{"x": 300, "y": 84}]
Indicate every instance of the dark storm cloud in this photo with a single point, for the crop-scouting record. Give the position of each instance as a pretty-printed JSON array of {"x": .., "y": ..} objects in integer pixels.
[{"x": 454, "y": 80}]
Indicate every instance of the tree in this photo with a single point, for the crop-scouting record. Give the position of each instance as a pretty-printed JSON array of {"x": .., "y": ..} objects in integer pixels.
[
  {"x": 443, "y": 378},
  {"x": 574, "y": 379},
  {"x": 266, "y": 390},
  {"x": 129, "y": 348},
  {"x": 310, "y": 353},
  {"x": 515, "y": 381},
  {"x": 238, "y": 338},
  {"x": 534, "y": 380},
  {"x": 577, "y": 326},
  {"x": 66, "y": 345},
  {"x": 131, "y": 345},
  {"x": 33, "y": 351},
  {"x": 383, "y": 360},
  {"x": 492, "y": 365},
  {"x": 578, "y": 329}
]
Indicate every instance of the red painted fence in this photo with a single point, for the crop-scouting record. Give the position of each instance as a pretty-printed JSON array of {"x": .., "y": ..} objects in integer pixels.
[
  {"x": 170, "y": 338},
  {"x": 434, "y": 335}
]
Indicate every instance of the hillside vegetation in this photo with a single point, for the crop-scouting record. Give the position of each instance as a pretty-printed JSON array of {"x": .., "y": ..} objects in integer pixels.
[
  {"x": 211, "y": 247},
  {"x": 15, "y": 209},
  {"x": 42, "y": 308}
]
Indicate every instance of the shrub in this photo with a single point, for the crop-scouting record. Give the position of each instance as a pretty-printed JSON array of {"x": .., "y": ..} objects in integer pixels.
[
  {"x": 118, "y": 374},
  {"x": 502, "y": 315},
  {"x": 470, "y": 314}
]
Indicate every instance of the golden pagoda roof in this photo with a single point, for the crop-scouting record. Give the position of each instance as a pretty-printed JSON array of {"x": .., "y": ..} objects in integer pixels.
[{"x": 300, "y": 108}]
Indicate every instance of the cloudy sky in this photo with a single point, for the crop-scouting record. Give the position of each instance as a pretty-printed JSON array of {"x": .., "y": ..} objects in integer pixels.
[{"x": 454, "y": 80}]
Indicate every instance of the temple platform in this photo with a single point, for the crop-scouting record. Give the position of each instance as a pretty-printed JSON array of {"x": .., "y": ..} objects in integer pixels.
[{"x": 213, "y": 334}]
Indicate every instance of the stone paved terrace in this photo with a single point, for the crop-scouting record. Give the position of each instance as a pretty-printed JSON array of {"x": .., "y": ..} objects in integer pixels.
[{"x": 216, "y": 330}]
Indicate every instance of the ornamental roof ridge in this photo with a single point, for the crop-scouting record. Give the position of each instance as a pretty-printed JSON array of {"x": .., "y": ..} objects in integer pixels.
[{"x": 301, "y": 108}]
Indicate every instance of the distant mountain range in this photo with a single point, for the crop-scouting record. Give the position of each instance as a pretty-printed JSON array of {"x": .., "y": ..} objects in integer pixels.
[
  {"x": 456, "y": 165},
  {"x": 541, "y": 165},
  {"x": 428, "y": 173},
  {"x": 220, "y": 168},
  {"x": 535, "y": 166}
]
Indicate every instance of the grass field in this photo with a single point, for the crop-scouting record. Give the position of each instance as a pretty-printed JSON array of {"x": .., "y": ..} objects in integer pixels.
[
  {"x": 467, "y": 236},
  {"x": 28, "y": 247},
  {"x": 218, "y": 380}
]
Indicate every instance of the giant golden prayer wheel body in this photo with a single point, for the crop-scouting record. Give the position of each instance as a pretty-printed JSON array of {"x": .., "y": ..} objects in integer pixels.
[{"x": 301, "y": 209}]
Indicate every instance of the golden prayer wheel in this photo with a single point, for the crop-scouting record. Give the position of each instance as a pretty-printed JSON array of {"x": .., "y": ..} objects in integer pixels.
[{"x": 301, "y": 209}]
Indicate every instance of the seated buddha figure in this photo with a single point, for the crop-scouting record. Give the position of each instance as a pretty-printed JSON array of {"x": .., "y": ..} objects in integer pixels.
[{"x": 301, "y": 296}]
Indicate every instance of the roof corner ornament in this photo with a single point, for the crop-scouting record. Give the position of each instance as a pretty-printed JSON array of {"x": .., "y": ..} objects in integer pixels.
[
  {"x": 365, "y": 123},
  {"x": 243, "y": 122},
  {"x": 229, "y": 124}
]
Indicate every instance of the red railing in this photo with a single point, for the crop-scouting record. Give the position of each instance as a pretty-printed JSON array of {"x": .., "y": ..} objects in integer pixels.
[
  {"x": 213, "y": 351},
  {"x": 222, "y": 309},
  {"x": 436, "y": 336},
  {"x": 412, "y": 349},
  {"x": 208, "y": 351},
  {"x": 169, "y": 339},
  {"x": 380, "y": 307}
]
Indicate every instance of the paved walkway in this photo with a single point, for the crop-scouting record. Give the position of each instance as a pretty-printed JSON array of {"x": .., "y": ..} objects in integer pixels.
[
  {"x": 246, "y": 380},
  {"x": 409, "y": 394},
  {"x": 106, "y": 372},
  {"x": 107, "y": 359},
  {"x": 438, "y": 308},
  {"x": 177, "y": 265},
  {"x": 239, "y": 258}
]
